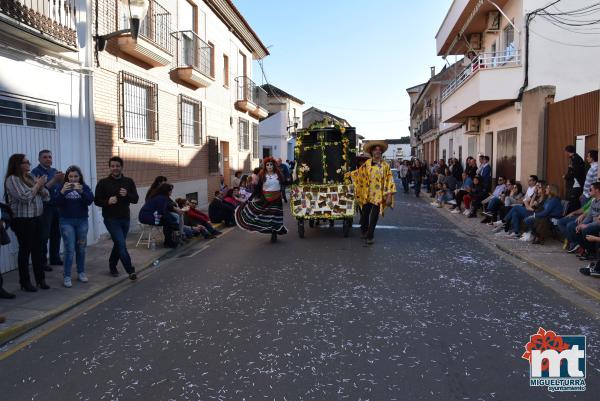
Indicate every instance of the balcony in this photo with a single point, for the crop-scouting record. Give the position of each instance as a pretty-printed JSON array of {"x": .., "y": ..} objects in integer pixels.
[
  {"x": 489, "y": 82},
  {"x": 194, "y": 60},
  {"x": 464, "y": 17},
  {"x": 50, "y": 25},
  {"x": 154, "y": 45},
  {"x": 428, "y": 124},
  {"x": 251, "y": 98}
]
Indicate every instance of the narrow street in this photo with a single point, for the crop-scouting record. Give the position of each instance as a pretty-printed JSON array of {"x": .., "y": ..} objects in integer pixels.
[{"x": 426, "y": 313}]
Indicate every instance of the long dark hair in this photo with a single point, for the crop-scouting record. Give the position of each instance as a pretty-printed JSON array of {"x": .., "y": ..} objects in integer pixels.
[
  {"x": 263, "y": 171},
  {"x": 70, "y": 170},
  {"x": 163, "y": 189},
  {"x": 157, "y": 182},
  {"x": 14, "y": 168}
]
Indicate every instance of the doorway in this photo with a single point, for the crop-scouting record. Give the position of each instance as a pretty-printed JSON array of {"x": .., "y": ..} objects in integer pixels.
[
  {"x": 506, "y": 165},
  {"x": 267, "y": 151}
]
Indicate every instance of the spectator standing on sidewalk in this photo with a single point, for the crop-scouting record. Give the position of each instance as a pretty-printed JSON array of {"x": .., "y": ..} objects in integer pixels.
[
  {"x": 114, "y": 194},
  {"x": 235, "y": 182},
  {"x": 73, "y": 201},
  {"x": 25, "y": 195},
  {"x": 574, "y": 178},
  {"x": 50, "y": 225},
  {"x": 591, "y": 176}
]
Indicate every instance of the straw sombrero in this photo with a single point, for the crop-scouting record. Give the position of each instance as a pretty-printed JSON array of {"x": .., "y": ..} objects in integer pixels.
[{"x": 368, "y": 147}]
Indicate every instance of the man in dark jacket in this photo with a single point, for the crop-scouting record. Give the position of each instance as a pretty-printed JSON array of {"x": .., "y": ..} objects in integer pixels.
[
  {"x": 574, "y": 178},
  {"x": 114, "y": 194}
]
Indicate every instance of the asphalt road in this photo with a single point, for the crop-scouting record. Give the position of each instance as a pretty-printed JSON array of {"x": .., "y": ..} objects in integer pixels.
[{"x": 427, "y": 313}]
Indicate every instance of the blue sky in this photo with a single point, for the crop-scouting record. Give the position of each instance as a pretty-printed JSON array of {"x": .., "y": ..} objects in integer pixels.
[{"x": 353, "y": 58}]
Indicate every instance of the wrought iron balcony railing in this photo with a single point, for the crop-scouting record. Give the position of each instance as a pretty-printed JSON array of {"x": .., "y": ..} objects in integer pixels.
[
  {"x": 194, "y": 52},
  {"x": 247, "y": 90},
  {"x": 156, "y": 27},
  {"x": 52, "y": 18}
]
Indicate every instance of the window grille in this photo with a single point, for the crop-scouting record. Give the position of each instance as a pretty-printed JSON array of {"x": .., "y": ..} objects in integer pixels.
[
  {"x": 190, "y": 121},
  {"x": 139, "y": 108},
  {"x": 213, "y": 154},
  {"x": 243, "y": 134}
]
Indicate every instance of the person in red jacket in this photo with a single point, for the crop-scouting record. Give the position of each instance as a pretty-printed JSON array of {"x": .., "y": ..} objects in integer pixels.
[{"x": 193, "y": 215}]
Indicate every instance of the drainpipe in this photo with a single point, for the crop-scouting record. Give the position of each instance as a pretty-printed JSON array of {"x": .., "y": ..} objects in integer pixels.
[{"x": 528, "y": 20}]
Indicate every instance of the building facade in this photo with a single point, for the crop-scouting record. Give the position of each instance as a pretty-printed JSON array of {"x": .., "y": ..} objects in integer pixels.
[
  {"x": 179, "y": 101},
  {"x": 45, "y": 64},
  {"x": 277, "y": 131},
  {"x": 501, "y": 94}
]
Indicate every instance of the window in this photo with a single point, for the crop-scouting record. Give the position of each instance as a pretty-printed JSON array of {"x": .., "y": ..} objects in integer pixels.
[
  {"x": 243, "y": 134},
  {"x": 225, "y": 71},
  {"x": 509, "y": 40},
  {"x": 16, "y": 112},
  {"x": 255, "y": 141},
  {"x": 190, "y": 121},
  {"x": 213, "y": 154},
  {"x": 212, "y": 59},
  {"x": 139, "y": 108}
]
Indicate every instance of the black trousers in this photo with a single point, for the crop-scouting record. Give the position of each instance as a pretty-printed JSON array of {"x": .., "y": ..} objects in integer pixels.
[
  {"x": 573, "y": 197},
  {"x": 29, "y": 232},
  {"x": 368, "y": 219},
  {"x": 50, "y": 234}
]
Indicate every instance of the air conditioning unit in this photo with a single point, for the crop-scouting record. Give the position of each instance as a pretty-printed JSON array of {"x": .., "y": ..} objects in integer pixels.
[
  {"x": 493, "y": 21},
  {"x": 475, "y": 41},
  {"x": 472, "y": 125}
]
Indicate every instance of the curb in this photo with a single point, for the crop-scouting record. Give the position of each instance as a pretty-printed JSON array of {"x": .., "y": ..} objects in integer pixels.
[
  {"x": 17, "y": 330},
  {"x": 590, "y": 292}
]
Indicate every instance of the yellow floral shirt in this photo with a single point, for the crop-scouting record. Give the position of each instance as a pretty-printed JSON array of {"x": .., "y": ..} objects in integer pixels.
[{"x": 372, "y": 183}]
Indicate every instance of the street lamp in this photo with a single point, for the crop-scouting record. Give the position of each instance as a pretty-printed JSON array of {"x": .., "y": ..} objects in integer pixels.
[{"x": 137, "y": 10}]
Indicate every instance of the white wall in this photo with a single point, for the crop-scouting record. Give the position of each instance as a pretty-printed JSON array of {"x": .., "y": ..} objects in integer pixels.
[
  {"x": 397, "y": 151},
  {"x": 458, "y": 139},
  {"x": 572, "y": 69},
  {"x": 273, "y": 133}
]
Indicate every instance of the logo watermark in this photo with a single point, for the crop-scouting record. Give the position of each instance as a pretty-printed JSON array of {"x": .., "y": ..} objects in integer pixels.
[{"x": 556, "y": 362}]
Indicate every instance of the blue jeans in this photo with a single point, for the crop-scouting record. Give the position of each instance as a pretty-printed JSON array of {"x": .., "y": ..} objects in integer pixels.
[
  {"x": 118, "y": 230},
  {"x": 74, "y": 235},
  {"x": 591, "y": 229},
  {"x": 563, "y": 225},
  {"x": 494, "y": 205},
  {"x": 517, "y": 213}
]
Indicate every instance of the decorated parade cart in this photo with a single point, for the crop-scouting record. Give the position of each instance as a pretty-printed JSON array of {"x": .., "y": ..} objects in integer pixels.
[{"x": 322, "y": 190}]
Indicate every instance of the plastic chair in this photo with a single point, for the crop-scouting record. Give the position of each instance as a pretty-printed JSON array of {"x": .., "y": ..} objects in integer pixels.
[{"x": 148, "y": 235}]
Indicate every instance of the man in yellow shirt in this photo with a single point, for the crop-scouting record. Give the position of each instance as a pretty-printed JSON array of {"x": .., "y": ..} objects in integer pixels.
[{"x": 374, "y": 188}]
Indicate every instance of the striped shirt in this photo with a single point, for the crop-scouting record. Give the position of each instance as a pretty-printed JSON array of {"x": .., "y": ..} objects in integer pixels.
[
  {"x": 590, "y": 178},
  {"x": 21, "y": 199}
]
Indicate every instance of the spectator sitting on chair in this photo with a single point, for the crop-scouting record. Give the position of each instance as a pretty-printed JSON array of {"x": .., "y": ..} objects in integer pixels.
[
  {"x": 567, "y": 225},
  {"x": 160, "y": 203},
  {"x": 220, "y": 211},
  {"x": 477, "y": 194},
  {"x": 459, "y": 194},
  {"x": 590, "y": 225},
  {"x": 492, "y": 203},
  {"x": 519, "y": 213},
  {"x": 541, "y": 222},
  {"x": 230, "y": 197}
]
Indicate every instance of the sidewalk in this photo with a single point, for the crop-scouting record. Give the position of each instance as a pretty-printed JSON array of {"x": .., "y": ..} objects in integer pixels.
[
  {"x": 550, "y": 257},
  {"x": 29, "y": 310}
]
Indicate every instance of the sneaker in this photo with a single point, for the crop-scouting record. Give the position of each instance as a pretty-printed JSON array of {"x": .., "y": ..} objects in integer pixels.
[
  {"x": 590, "y": 270},
  {"x": 498, "y": 223},
  {"x": 527, "y": 237},
  {"x": 133, "y": 277},
  {"x": 455, "y": 211},
  {"x": 452, "y": 202},
  {"x": 67, "y": 282},
  {"x": 498, "y": 229},
  {"x": 467, "y": 212},
  {"x": 574, "y": 248},
  {"x": 512, "y": 235},
  {"x": 488, "y": 214},
  {"x": 82, "y": 277}
]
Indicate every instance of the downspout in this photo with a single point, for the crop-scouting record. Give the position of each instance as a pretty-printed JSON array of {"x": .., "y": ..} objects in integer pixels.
[{"x": 526, "y": 61}]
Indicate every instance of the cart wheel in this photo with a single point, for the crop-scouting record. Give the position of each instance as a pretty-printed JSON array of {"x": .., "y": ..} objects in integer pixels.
[
  {"x": 331, "y": 223},
  {"x": 301, "y": 228},
  {"x": 311, "y": 223},
  {"x": 347, "y": 227}
]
